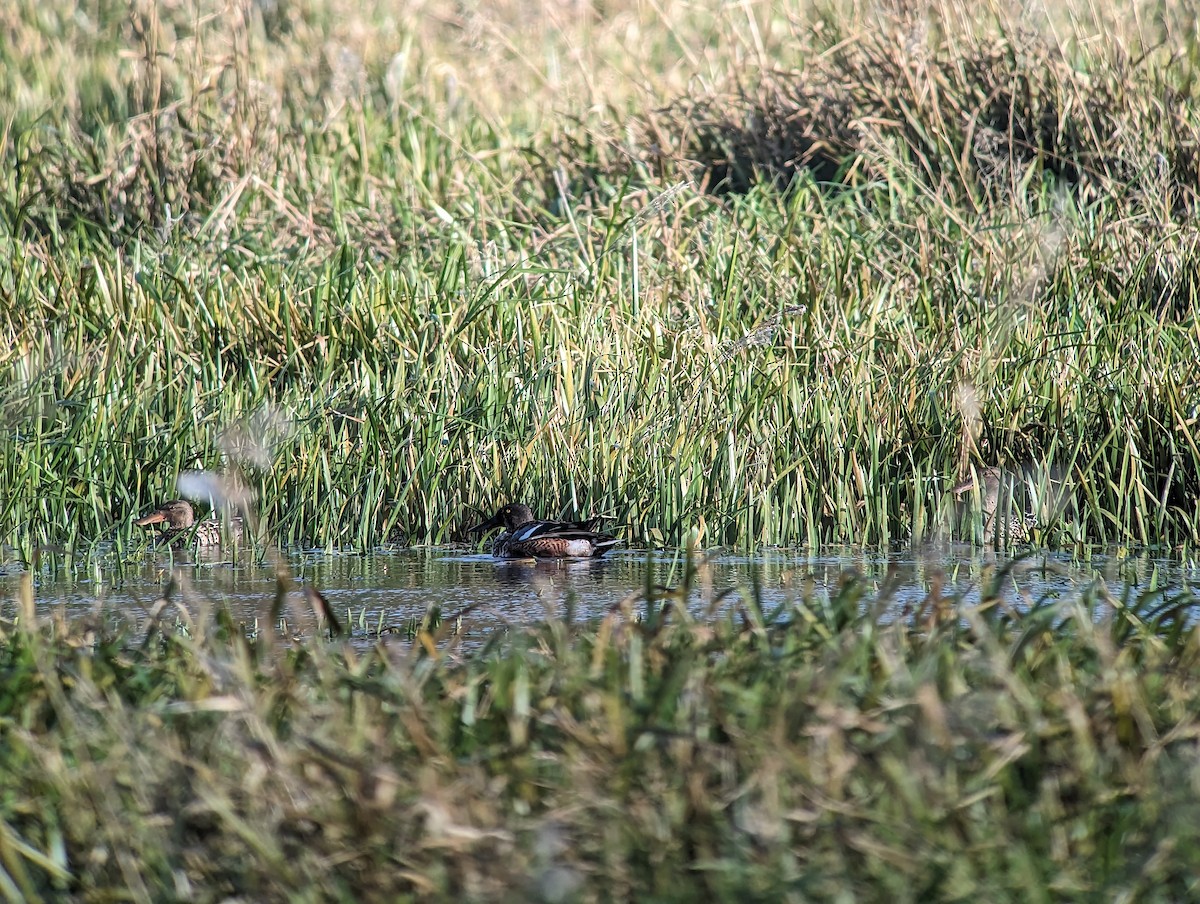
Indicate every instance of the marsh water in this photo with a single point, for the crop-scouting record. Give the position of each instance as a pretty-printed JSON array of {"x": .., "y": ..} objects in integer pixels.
[{"x": 387, "y": 592}]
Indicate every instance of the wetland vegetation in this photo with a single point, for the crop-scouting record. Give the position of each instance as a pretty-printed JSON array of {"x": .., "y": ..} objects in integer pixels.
[
  {"x": 727, "y": 274},
  {"x": 432, "y": 261},
  {"x": 805, "y": 752}
]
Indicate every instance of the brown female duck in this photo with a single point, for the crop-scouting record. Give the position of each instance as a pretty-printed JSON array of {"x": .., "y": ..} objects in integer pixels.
[
  {"x": 180, "y": 523},
  {"x": 999, "y": 494}
]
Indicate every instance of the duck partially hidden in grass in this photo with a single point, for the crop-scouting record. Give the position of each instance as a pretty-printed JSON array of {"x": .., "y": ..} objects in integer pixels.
[
  {"x": 525, "y": 537},
  {"x": 180, "y": 526},
  {"x": 999, "y": 493}
]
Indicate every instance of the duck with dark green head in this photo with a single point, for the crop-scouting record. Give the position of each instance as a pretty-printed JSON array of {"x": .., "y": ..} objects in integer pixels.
[{"x": 526, "y": 537}]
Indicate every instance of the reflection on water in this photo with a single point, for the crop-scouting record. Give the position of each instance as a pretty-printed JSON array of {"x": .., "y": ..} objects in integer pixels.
[{"x": 392, "y": 590}]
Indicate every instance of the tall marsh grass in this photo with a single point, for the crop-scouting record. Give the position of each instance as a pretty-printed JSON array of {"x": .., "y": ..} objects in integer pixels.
[{"x": 452, "y": 261}]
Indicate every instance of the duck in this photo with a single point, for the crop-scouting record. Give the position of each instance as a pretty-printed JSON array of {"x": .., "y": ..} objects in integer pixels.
[
  {"x": 181, "y": 526},
  {"x": 526, "y": 537},
  {"x": 999, "y": 490}
]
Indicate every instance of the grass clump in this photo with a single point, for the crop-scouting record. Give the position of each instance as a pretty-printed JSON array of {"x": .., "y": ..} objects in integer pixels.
[
  {"x": 794, "y": 312},
  {"x": 805, "y": 754},
  {"x": 980, "y": 124}
]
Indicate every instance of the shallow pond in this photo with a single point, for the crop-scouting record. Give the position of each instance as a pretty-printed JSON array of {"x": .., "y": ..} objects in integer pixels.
[{"x": 389, "y": 592}]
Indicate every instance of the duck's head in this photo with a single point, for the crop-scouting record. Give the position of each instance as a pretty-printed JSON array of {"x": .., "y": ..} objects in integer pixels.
[
  {"x": 510, "y": 517},
  {"x": 988, "y": 480},
  {"x": 176, "y": 514}
]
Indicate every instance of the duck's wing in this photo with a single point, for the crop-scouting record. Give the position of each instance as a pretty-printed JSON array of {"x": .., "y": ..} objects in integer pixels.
[
  {"x": 567, "y": 531},
  {"x": 556, "y": 530}
]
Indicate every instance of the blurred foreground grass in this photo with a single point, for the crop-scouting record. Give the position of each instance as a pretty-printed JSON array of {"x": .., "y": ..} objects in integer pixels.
[
  {"x": 777, "y": 270},
  {"x": 808, "y": 754}
]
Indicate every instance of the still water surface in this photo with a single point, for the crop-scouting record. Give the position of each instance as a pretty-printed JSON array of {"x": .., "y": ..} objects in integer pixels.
[{"x": 390, "y": 590}]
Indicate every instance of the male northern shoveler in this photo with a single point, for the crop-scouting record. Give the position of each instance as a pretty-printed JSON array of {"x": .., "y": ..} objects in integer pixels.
[
  {"x": 525, "y": 537},
  {"x": 999, "y": 491},
  {"x": 179, "y": 519}
]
